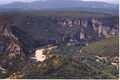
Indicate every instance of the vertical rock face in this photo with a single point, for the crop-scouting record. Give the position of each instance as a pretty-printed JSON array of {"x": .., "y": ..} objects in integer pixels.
[
  {"x": 113, "y": 31},
  {"x": 82, "y": 35},
  {"x": 97, "y": 26},
  {"x": 78, "y": 22},
  {"x": 70, "y": 23},
  {"x": 85, "y": 23},
  {"x": 106, "y": 31},
  {"x": 100, "y": 30}
]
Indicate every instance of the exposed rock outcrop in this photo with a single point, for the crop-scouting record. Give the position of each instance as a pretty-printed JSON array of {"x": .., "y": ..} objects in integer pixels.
[
  {"x": 6, "y": 28},
  {"x": 82, "y": 35},
  {"x": 97, "y": 26},
  {"x": 9, "y": 44}
]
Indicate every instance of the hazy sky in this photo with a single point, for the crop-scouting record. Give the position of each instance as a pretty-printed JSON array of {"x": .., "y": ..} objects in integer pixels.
[{"x": 9, "y": 1}]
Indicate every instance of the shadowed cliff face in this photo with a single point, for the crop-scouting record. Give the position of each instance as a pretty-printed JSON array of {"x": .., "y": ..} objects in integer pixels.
[
  {"x": 6, "y": 27},
  {"x": 89, "y": 24},
  {"x": 9, "y": 44}
]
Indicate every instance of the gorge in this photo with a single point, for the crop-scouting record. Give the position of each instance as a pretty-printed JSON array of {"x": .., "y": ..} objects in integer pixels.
[{"x": 75, "y": 46}]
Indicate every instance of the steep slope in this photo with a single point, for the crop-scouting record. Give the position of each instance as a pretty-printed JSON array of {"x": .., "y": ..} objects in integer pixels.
[
  {"x": 10, "y": 48},
  {"x": 107, "y": 47},
  {"x": 104, "y": 53},
  {"x": 101, "y": 55}
]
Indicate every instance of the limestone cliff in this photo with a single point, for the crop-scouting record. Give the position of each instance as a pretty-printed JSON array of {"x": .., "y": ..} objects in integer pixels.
[{"x": 93, "y": 24}]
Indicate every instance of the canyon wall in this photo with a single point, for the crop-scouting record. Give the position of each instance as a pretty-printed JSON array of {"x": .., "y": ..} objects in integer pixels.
[{"x": 95, "y": 25}]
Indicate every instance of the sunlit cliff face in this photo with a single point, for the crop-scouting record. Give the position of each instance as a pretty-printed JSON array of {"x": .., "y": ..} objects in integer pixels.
[{"x": 39, "y": 55}]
